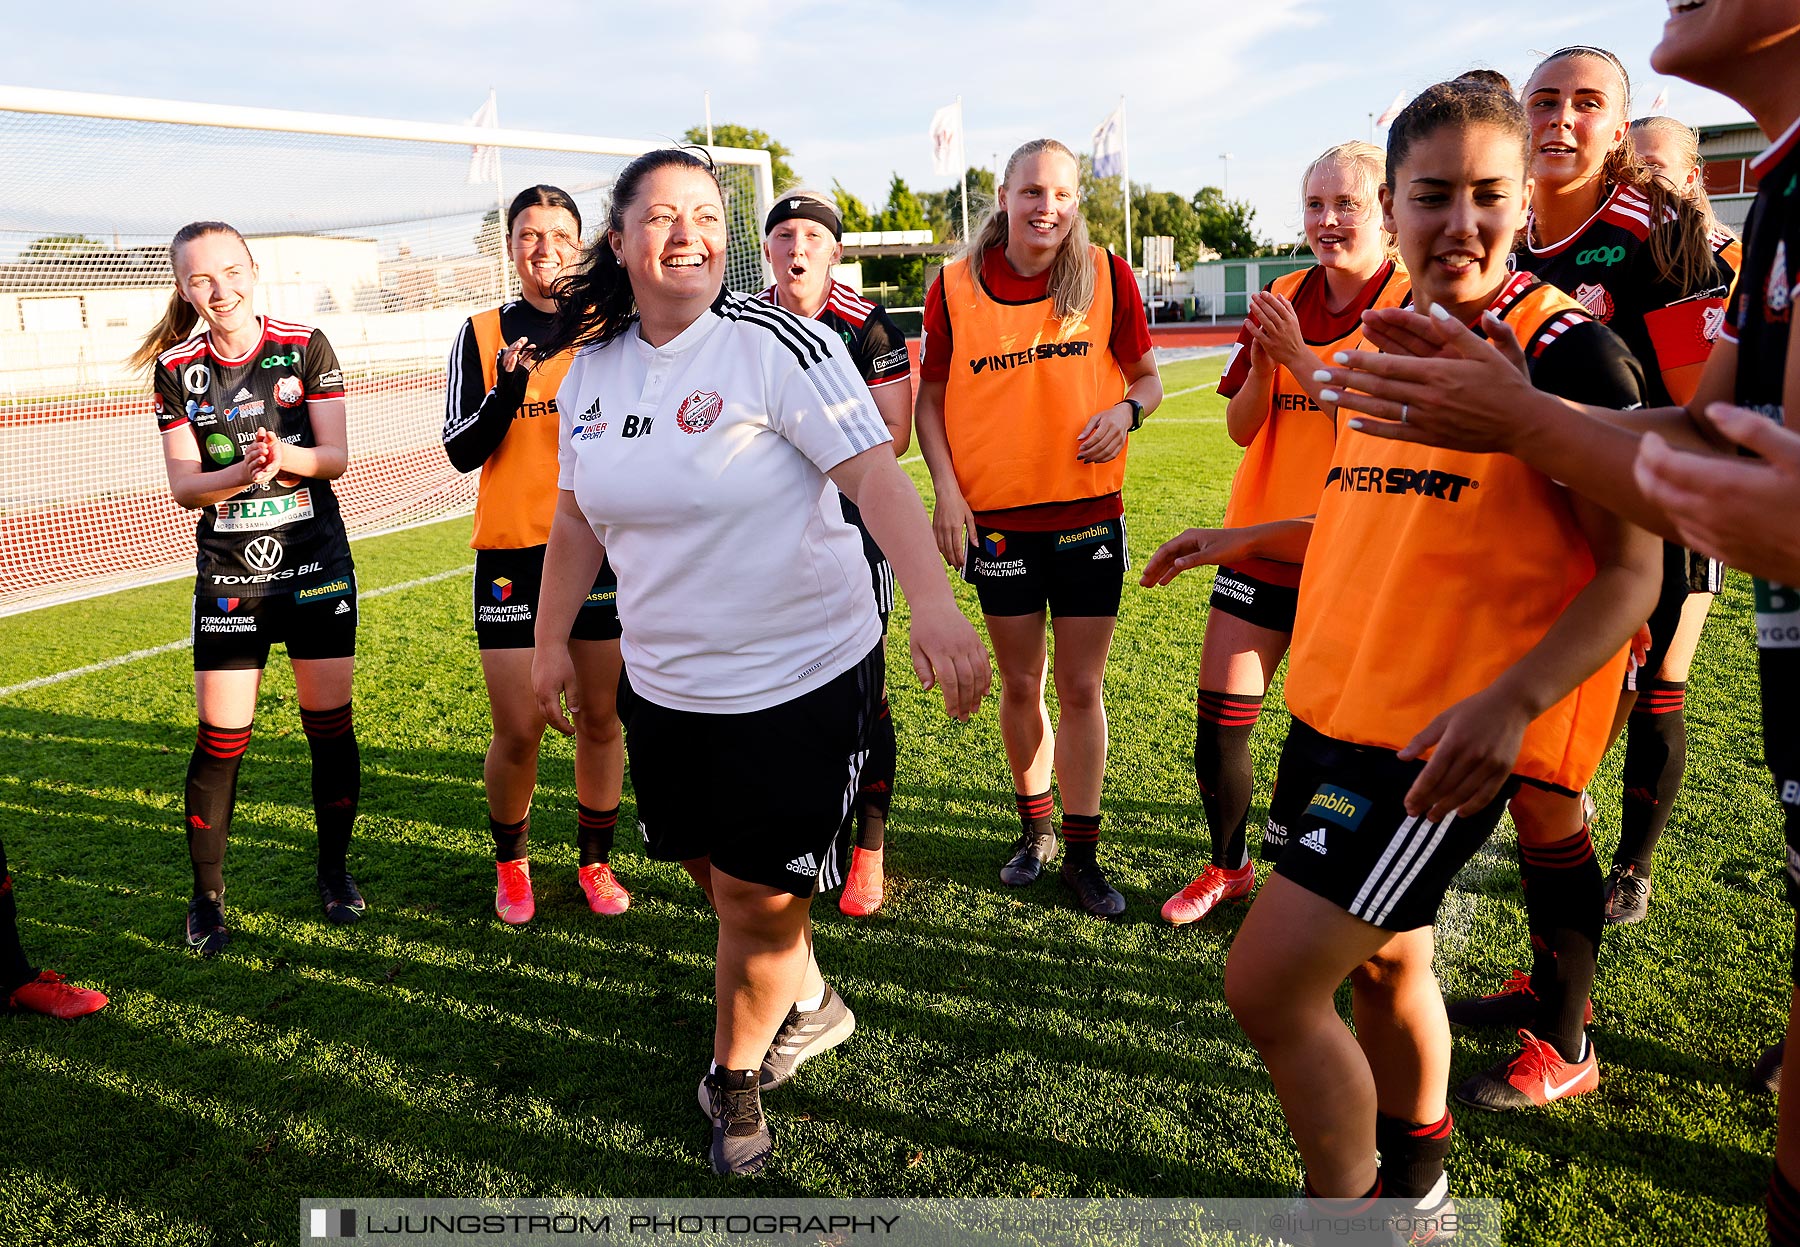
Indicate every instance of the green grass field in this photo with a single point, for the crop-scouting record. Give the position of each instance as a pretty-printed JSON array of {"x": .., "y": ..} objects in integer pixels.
[{"x": 1007, "y": 1045}]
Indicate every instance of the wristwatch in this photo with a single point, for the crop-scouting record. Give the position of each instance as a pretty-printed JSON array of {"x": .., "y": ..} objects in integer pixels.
[{"x": 1137, "y": 414}]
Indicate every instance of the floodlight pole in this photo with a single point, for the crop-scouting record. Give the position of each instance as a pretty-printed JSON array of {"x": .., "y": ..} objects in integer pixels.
[{"x": 1125, "y": 175}]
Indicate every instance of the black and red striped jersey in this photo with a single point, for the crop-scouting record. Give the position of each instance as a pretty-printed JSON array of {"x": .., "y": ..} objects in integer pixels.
[
  {"x": 874, "y": 340},
  {"x": 270, "y": 538},
  {"x": 1607, "y": 267}
]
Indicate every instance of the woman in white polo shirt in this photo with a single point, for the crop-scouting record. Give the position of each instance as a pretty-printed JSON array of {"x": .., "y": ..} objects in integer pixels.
[{"x": 703, "y": 434}]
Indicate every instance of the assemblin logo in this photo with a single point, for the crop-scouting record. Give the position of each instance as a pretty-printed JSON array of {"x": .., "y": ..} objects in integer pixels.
[
  {"x": 1425, "y": 482},
  {"x": 1030, "y": 355}
]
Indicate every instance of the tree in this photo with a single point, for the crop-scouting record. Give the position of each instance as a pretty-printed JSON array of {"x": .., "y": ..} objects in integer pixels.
[
  {"x": 981, "y": 198},
  {"x": 852, "y": 211},
  {"x": 1165, "y": 212},
  {"x": 903, "y": 211},
  {"x": 60, "y": 246},
  {"x": 744, "y": 136},
  {"x": 1103, "y": 208},
  {"x": 1225, "y": 225}
]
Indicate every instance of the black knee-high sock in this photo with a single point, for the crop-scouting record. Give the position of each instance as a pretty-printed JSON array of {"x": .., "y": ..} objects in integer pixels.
[
  {"x": 1222, "y": 726},
  {"x": 877, "y": 791},
  {"x": 594, "y": 833},
  {"x": 211, "y": 796},
  {"x": 1783, "y": 1211},
  {"x": 1037, "y": 813},
  {"x": 336, "y": 781},
  {"x": 1081, "y": 836},
  {"x": 15, "y": 968},
  {"x": 512, "y": 841},
  {"x": 1412, "y": 1154},
  {"x": 1655, "y": 759},
  {"x": 1563, "y": 902}
]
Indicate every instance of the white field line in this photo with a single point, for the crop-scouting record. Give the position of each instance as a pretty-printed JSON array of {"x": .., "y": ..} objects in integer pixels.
[{"x": 137, "y": 655}]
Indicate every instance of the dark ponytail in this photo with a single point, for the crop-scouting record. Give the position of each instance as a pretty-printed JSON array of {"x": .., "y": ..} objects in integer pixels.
[
  {"x": 178, "y": 318},
  {"x": 594, "y": 304}
]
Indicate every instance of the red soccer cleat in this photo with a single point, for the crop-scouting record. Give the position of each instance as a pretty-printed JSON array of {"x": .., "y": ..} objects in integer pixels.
[
  {"x": 1535, "y": 1077},
  {"x": 513, "y": 900},
  {"x": 49, "y": 993},
  {"x": 605, "y": 895},
  {"x": 866, "y": 887},
  {"x": 1209, "y": 888}
]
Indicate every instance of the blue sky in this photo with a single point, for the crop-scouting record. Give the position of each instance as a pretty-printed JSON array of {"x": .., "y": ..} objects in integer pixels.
[{"x": 851, "y": 86}]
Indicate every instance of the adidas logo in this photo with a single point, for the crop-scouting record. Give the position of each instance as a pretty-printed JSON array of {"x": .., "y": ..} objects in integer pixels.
[
  {"x": 1314, "y": 840},
  {"x": 1103, "y": 553},
  {"x": 591, "y": 414},
  {"x": 242, "y": 395},
  {"x": 806, "y": 866},
  {"x": 343, "y": 609}
]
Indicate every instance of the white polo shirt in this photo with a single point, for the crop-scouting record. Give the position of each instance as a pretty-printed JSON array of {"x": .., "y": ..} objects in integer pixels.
[{"x": 701, "y": 467}]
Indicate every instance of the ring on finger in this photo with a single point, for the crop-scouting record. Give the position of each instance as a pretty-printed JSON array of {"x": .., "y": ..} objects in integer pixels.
[{"x": 1404, "y": 409}]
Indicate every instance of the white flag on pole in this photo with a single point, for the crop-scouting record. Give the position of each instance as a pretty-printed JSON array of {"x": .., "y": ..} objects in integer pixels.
[
  {"x": 947, "y": 140},
  {"x": 1660, "y": 104},
  {"x": 1392, "y": 110},
  {"x": 1109, "y": 144},
  {"x": 484, "y": 162}
]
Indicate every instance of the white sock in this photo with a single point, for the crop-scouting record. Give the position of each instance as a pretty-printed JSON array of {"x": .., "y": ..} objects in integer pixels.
[{"x": 807, "y": 1006}]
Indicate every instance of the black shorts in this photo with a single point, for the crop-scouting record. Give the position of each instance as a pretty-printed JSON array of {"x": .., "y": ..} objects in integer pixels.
[
  {"x": 1078, "y": 572},
  {"x": 507, "y": 583},
  {"x": 1356, "y": 846},
  {"x": 766, "y": 794},
  {"x": 1255, "y": 601},
  {"x": 1296, "y": 779},
  {"x": 881, "y": 572},
  {"x": 234, "y": 634}
]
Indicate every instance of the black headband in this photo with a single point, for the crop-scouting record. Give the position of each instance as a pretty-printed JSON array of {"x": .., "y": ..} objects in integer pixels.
[{"x": 806, "y": 209}]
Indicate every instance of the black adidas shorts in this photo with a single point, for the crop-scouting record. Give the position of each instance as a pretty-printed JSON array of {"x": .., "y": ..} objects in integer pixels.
[
  {"x": 767, "y": 794},
  {"x": 881, "y": 572},
  {"x": 1355, "y": 845},
  {"x": 234, "y": 634},
  {"x": 1076, "y": 573},
  {"x": 507, "y": 583},
  {"x": 1255, "y": 601},
  {"x": 1296, "y": 779}
]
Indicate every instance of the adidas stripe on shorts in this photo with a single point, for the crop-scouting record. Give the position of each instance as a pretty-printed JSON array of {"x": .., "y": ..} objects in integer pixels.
[
  {"x": 765, "y": 794},
  {"x": 317, "y": 621},
  {"x": 1075, "y": 573},
  {"x": 1356, "y": 846}
]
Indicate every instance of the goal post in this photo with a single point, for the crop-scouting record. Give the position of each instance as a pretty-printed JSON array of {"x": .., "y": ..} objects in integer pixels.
[{"x": 384, "y": 234}]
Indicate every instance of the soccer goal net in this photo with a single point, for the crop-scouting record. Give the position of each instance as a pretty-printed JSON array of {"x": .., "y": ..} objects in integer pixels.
[{"x": 385, "y": 235}]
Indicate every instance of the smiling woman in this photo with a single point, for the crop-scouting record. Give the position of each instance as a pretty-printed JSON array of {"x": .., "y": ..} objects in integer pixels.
[{"x": 702, "y": 436}]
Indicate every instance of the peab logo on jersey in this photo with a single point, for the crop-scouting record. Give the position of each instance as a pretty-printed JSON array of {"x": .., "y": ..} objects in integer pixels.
[
  {"x": 699, "y": 411},
  {"x": 197, "y": 378},
  {"x": 288, "y": 392},
  {"x": 1593, "y": 296},
  {"x": 264, "y": 554}
]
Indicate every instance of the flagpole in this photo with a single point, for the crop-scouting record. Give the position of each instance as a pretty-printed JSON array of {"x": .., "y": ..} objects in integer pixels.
[
  {"x": 1125, "y": 175},
  {"x": 708, "y": 99},
  {"x": 500, "y": 197},
  {"x": 962, "y": 163}
]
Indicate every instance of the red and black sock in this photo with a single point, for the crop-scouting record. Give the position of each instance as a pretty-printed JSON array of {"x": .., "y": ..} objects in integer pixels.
[
  {"x": 15, "y": 968},
  {"x": 336, "y": 781},
  {"x": 1563, "y": 900},
  {"x": 876, "y": 793},
  {"x": 1037, "y": 814},
  {"x": 1783, "y": 1215},
  {"x": 1412, "y": 1154},
  {"x": 1655, "y": 760},
  {"x": 1222, "y": 770},
  {"x": 1081, "y": 836},
  {"x": 512, "y": 841},
  {"x": 211, "y": 796},
  {"x": 593, "y": 833}
]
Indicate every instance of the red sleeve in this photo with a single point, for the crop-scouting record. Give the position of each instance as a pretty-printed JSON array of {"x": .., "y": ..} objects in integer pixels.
[
  {"x": 935, "y": 350},
  {"x": 1131, "y": 329},
  {"x": 1237, "y": 365}
]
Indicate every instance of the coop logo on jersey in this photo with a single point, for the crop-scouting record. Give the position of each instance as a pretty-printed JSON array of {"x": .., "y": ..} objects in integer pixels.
[
  {"x": 1334, "y": 805},
  {"x": 1603, "y": 256},
  {"x": 221, "y": 448},
  {"x": 197, "y": 378},
  {"x": 1778, "y": 291},
  {"x": 291, "y": 359},
  {"x": 264, "y": 554},
  {"x": 699, "y": 411},
  {"x": 1593, "y": 296},
  {"x": 245, "y": 411},
  {"x": 249, "y": 515},
  {"x": 288, "y": 392},
  {"x": 501, "y": 589},
  {"x": 1425, "y": 482}
]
